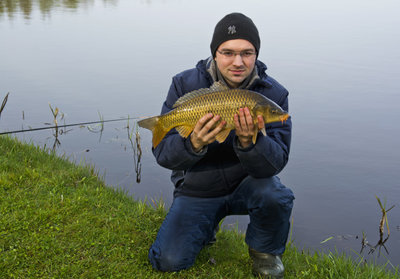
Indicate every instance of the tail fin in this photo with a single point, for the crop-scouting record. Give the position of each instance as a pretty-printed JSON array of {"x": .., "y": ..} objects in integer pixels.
[{"x": 154, "y": 125}]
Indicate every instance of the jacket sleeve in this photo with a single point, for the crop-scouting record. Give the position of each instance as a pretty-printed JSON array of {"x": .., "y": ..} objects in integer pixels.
[
  {"x": 175, "y": 152},
  {"x": 270, "y": 154}
]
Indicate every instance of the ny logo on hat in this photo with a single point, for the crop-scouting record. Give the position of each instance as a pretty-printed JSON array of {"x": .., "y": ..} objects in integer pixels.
[{"x": 232, "y": 29}]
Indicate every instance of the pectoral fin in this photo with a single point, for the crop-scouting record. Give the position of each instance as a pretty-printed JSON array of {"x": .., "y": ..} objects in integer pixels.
[
  {"x": 264, "y": 132},
  {"x": 221, "y": 136},
  {"x": 255, "y": 138},
  {"x": 184, "y": 131}
]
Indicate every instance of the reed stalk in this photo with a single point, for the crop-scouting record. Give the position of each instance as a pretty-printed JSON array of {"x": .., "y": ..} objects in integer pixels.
[
  {"x": 137, "y": 149},
  {"x": 3, "y": 104}
]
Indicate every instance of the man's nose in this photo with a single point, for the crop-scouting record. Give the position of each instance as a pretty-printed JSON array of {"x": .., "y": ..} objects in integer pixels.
[{"x": 237, "y": 60}]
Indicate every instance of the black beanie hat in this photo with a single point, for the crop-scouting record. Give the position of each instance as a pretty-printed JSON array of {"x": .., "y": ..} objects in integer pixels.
[{"x": 235, "y": 26}]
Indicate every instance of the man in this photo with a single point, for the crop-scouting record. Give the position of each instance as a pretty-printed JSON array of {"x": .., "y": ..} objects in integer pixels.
[{"x": 235, "y": 177}]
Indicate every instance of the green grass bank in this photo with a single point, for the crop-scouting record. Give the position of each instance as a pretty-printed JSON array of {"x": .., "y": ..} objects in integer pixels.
[{"x": 60, "y": 220}]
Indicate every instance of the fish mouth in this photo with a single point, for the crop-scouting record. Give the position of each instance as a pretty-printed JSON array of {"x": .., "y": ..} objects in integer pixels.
[{"x": 283, "y": 118}]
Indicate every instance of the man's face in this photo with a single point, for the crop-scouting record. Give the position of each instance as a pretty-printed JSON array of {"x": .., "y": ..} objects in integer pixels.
[{"x": 235, "y": 68}]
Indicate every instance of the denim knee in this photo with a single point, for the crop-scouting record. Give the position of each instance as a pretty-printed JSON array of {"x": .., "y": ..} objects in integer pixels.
[
  {"x": 170, "y": 260},
  {"x": 269, "y": 193},
  {"x": 188, "y": 226}
]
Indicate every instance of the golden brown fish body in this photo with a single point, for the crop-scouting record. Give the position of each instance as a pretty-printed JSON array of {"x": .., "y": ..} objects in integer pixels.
[{"x": 223, "y": 102}]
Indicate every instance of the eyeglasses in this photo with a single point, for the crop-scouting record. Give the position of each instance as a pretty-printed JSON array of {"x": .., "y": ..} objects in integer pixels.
[{"x": 231, "y": 54}]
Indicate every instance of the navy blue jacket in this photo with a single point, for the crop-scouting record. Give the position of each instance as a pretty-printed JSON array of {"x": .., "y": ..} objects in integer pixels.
[{"x": 220, "y": 167}]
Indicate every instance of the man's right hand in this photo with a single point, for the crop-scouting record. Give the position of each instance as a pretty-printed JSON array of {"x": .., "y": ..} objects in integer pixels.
[{"x": 203, "y": 132}]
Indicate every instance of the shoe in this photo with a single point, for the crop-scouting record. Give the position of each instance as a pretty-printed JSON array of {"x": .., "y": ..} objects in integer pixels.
[{"x": 266, "y": 265}]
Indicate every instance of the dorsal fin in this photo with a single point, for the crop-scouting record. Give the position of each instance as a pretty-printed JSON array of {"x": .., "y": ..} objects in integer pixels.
[
  {"x": 216, "y": 86},
  {"x": 190, "y": 96}
]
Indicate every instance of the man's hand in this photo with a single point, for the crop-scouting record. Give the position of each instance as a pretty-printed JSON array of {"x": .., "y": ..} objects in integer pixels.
[
  {"x": 245, "y": 128},
  {"x": 204, "y": 133}
]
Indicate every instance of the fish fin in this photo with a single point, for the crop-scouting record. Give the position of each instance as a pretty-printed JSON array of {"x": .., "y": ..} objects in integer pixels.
[
  {"x": 154, "y": 125},
  {"x": 221, "y": 136},
  {"x": 191, "y": 95},
  {"x": 216, "y": 86},
  {"x": 255, "y": 138},
  {"x": 264, "y": 132},
  {"x": 184, "y": 131},
  {"x": 149, "y": 123}
]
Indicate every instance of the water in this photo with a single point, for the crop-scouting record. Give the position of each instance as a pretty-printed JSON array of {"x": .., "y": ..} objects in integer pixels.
[{"x": 339, "y": 60}]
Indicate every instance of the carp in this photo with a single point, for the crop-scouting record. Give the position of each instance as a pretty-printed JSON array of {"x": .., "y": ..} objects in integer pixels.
[{"x": 218, "y": 100}]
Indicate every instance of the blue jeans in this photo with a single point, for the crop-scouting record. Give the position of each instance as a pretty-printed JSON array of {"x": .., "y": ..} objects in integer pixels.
[{"x": 191, "y": 222}]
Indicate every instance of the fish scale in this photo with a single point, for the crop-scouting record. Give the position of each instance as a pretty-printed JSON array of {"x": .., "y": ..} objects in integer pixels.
[{"x": 223, "y": 103}]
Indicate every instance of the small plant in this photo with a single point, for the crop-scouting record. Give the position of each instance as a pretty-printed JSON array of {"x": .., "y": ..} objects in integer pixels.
[
  {"x": 137, "y": 150},
  {"x": 57, "y": 132},
  {"x": 382, "y": 223}
]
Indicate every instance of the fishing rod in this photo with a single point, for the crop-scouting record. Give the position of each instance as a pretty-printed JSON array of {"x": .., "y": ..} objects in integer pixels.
[{"x": 65, "y": 125}]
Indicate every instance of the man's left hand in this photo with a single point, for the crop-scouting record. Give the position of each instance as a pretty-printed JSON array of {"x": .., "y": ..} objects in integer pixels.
[{"x": 245, "y": 128}]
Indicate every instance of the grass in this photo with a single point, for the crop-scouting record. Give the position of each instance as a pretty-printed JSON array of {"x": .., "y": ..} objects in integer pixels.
[{"x": 59, "y": 220}]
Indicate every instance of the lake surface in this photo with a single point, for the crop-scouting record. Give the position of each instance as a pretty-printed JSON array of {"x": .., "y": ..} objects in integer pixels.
[{"x": 340, "y": 61}]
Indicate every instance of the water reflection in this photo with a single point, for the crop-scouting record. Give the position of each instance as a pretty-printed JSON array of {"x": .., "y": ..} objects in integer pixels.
[{"x": 27, "y": 7}]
